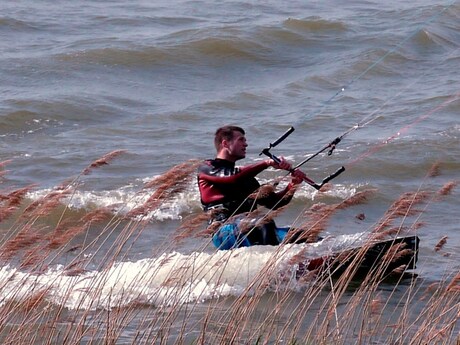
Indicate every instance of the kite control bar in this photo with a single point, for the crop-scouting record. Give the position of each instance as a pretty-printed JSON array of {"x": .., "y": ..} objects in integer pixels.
[{"x": 266, "y": 151}]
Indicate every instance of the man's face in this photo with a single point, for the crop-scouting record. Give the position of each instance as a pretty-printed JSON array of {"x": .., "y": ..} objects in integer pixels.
[{"x": 237, "y": 146}]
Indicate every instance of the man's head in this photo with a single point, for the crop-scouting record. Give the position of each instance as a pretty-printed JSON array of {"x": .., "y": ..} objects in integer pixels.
[{"x": 230, "y": 143}]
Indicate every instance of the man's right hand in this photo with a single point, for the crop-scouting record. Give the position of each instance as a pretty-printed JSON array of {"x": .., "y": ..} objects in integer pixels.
[{"x": 283, "y": 164}]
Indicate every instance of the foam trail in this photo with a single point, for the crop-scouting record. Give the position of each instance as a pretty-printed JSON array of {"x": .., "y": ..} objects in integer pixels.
[{"x": 169, "y": 279}]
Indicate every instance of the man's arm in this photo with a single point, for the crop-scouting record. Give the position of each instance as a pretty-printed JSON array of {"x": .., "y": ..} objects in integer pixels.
[{"x": 245, "y": 172}]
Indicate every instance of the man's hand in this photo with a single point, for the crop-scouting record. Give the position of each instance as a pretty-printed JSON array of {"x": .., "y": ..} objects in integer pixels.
[
  {"x": 298, "y": 176},
  {"x": 283, "y": 164}
]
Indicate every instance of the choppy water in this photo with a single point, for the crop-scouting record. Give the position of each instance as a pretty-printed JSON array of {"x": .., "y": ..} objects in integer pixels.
[{"x": 82, "y": 78}]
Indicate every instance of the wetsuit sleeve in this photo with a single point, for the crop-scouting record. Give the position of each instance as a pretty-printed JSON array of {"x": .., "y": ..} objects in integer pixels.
[{"x": 245, "y": 172}]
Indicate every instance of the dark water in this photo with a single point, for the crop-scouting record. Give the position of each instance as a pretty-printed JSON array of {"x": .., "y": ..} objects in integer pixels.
[{"x": 83, "y": 78}]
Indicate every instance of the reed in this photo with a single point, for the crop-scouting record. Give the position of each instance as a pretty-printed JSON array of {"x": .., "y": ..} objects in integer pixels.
[
  {"x": 62, "y": 279},
  {"x": 104, "y": 160}
]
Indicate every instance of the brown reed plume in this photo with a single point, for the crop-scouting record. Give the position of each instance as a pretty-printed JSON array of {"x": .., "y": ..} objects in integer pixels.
[
  {"x": 33, "y": 258},
  {"x": 97, "y": 216},
  {"x": 435, "y": 170},
  {"x": 2, "y": 167},
  {"x": 6, "y": 212},
  {"x": 319, "y": 215},
  {"x": 32, "y": 302},
  {"x": 9, "y": 203},
  {"x": 357, "y": 199},
  {"x": 176, "y": 173},
  {"x": 262, "y": 192},
  {"x": 16, "y": 197},
  {"x": 448, "y": 188},
  {"x": 247, "y": 224},
  {"x": 45, "y": 204},
  {"x": 440, "y": 244},
  {"x": 404, "y": 206},
  {"x": 63, "y": 234},
  {"x": 167, "y": 185},
  {"x": 317, "y": 219},
  {"x": 193, "y": 226},
  {"x": 104, "y": 160},
  {"x": 25, "y": 238}
]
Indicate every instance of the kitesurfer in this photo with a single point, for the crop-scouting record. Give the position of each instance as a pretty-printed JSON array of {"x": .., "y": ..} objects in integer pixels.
[{"x": 226, "y": 191}]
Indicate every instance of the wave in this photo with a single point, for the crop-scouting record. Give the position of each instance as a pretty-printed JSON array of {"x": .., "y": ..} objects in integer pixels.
[
  {"x": 315, "y": 25},
  {"x": 25, "y": 122},
  {"x": 125, "y": 199},
  {"x": 381, "y": 62},
  {"x": 433, "y": 37},
  {"x": 170, "y": 279},
  {"x": 208, "y": 45},
  {"x": 17, "y": 25},
  {"x": 196, "y": 52},
  {"x": 24, "y": 115}
]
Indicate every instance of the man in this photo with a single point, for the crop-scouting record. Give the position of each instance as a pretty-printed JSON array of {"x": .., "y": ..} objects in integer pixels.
[{"x": 227, "y": 191}]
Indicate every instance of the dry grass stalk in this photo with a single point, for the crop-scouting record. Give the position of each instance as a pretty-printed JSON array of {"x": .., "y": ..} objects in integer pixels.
[
  {"x": 104, "y": 160},
  {"x": 154, "y": 201},
  {"x": 454, "y": 285},
  {"x": 440, "y": 244},
  {"x": 32, "y": 302},
  {"x": 376, "y": 305},
  {"x": 4, "y": 163},
  {"x": 395, "y": 252},
  {"x": 244, "y": 313},
  {"x": 404, "y": 204}
]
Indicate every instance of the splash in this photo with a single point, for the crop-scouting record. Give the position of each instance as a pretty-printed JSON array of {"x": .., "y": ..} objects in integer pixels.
[{"x": 170, "y": 279}]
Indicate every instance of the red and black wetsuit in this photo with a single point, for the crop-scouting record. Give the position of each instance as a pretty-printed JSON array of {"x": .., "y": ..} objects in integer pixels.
[{"x": 226, "y": 188}]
